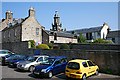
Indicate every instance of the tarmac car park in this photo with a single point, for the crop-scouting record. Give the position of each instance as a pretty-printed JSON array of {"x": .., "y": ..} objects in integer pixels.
[{"x": 19, "y": 74}]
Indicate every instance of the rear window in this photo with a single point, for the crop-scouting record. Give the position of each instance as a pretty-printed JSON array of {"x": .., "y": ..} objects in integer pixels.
[{"x": 73, "y": 65}]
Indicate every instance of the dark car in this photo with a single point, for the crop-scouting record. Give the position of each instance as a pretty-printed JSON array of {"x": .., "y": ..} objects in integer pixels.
[
  {"x": 54, "y": 65},
  {"x": 12, "y": 61},
  {"x": 4, "y": 59}
]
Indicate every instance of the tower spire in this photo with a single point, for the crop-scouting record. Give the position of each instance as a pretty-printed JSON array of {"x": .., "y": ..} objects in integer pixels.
[{"x": 56, "y": 26}]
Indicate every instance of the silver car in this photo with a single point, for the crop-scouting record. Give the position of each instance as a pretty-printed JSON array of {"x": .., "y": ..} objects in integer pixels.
[
  {"x": 3, "y": 53},
  {"x": 31, "y": 62}
]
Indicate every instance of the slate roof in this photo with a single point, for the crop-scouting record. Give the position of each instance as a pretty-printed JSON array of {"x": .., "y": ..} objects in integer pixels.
[
  {"x": 86, "y": 30},
  {"x": 60, "y": 34},
  {"x": 113, "y": 34},
  {"x": 15, "y": 23}
]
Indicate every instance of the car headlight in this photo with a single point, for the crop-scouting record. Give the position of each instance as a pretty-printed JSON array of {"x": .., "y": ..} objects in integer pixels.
[
  {"x": 17, "y": 62},
  {"x": 23, "y": 65},
  {"x": 44, "y": 70}
]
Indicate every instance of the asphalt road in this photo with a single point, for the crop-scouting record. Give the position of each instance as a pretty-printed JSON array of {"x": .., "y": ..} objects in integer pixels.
[{"x": 13, "y": 74}]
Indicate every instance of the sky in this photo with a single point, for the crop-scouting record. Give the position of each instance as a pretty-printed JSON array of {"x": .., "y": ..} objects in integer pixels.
[{"x": 73, "y": 15}]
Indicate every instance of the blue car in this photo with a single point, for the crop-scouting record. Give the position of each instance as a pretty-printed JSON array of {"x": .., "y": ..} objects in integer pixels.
[
  {"x": 4, "y": 59},
  {"x": 54, "y": 65},
  {"x": 12, "y": 61}
]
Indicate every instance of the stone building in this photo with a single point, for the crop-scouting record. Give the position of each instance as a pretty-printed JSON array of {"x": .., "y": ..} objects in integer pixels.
[
  {"x": 8, "y": 19},
  {"x": 93, "y": 33},
  {"x": 17, "y": 30},
  {"x": 56, "y": 34}
]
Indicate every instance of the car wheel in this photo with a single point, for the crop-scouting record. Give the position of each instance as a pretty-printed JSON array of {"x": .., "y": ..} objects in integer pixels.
[
  {"x": 67, "y": 78},
  {"x": 31, "y": 68},
  {"x": 50, "y": 74},
  {"x": 96, "y": 72},
  {"x": 84, "y": 77}
]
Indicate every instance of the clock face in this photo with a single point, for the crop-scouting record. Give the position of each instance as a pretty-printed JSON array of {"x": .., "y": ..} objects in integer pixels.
[{"x": 9, "y": 16}]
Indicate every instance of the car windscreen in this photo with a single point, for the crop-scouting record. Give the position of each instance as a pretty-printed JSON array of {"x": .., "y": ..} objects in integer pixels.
[
  {"x": 16, "y": 57},
  {"x": 73, "y": 65},
  {"x": 8, "y": 55},
  {"x": 3, "y": 52},
  {"x": 31, "y": 59},
  {"x": 49, "y": 61}
]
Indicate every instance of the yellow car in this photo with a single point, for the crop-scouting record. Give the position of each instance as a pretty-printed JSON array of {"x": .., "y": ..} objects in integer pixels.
[{"x": 80, "y": 69}]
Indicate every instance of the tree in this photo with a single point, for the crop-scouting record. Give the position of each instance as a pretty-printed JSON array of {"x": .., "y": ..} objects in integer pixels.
[
  {"x": 32, "y": 43},
  {"x": 42, "y": 46},
  {"x": 64, "y": 46},
  {"x": 99, "y": 40},
  {"x": 50, "y": 45},
  {"x": 81, "y": 39}
]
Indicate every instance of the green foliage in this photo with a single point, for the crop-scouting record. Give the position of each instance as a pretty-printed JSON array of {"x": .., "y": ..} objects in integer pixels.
[
  {"x": 50, "y": 45},
  {"x": 64, "y": 46},
  {"x": 99, "y": 40},
  {"x": 42, "y": 46},
  {"x": 81, "y": 39},
  {"x": 32, "y": 43}
]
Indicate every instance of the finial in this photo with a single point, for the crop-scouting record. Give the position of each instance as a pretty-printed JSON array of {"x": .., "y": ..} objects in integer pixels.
[
  {"x": 105, "y": 23},
  {"x": 31, "y": 8},
  {"x": 56, "y": 13}
]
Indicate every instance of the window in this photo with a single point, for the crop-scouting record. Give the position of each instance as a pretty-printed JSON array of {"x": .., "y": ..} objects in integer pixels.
[
  {"x": 63, "y": 60},
  {"x": 4, "y": 34},
  {"x": 9, "y": 34},
  {"x": 89, "y": 36},
  {"x": 40, "y": 59},
  {"x": 73, "y": 65},
  {"x": 15, "y": 32},
  {"x": 37, "y": 31},
  {"x": 98, "y": 33},
  {"x": 51, "y": 41},
  {"x": 113, "y": 39},
  {"x": 90, "y": 63},
  {"x": 84, "y": 64},
  {"x": 57, "y": 62}
]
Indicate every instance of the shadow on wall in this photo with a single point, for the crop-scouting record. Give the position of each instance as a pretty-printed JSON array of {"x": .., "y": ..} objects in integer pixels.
[{"x": 108, "y": 61}]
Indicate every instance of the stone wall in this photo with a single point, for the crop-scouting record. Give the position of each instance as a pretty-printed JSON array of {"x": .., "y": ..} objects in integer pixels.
[
  {"x": 12, "y": 34},
  {"x": 16, "y": 47},
  {"x": 108, "y": 61},
  {"x": 94, "y": 46}
]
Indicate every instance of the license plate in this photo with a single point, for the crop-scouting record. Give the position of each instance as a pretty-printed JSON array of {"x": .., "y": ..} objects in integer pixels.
[
  {"x": 73, "y": 76},
  {"x": 36, "y": 72}
]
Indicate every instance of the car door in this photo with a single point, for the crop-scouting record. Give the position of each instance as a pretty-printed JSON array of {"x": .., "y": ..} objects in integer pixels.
[
  {"x": 38, "y": 61},
  {"x": 85, "y": 68},
  {"x": 56, "y": 67},
  {"x": 91, "y": 67},
  {"x": 63, "y": 64}
]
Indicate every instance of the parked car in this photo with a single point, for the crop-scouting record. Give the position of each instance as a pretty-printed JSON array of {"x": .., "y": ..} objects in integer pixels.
[
  {"x": 4, "y": 62},
  {"x": 3, "y": 53},
  {"x": 12, "y": 61},
  {"x": 54, "y": 65},
  {"x": 80, "y": 69},
  {"x": 31, "y": 62}
]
